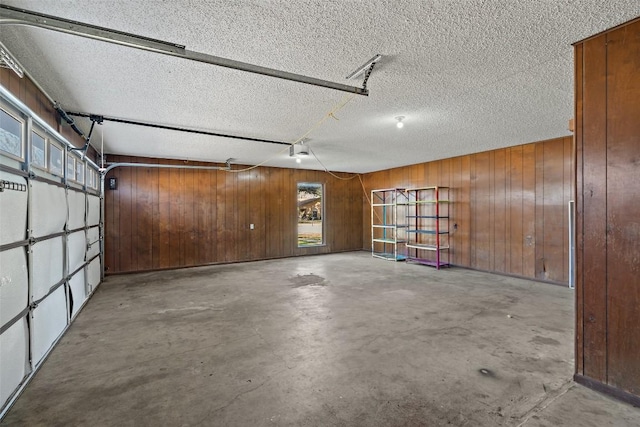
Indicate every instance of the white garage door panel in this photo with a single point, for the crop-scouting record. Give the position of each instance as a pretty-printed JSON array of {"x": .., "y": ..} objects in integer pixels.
[
  {"x": 14, "y": 283},
  {"x": 93, "y": 215},
  {"x": 49, "y": 213},
  {"x": 93, "y": 274},
  {"x": 92, "y": 237},
  {"x": 15, "y": 358},
  {"x": 48, "y": 320},
  {"x": 76, "y": 209},
  {"x": 47, "y": 266},
  {"x": 78, "y": 292},
  {"x": 13, "y": 211},
  {"x": 76, "y": 246}
]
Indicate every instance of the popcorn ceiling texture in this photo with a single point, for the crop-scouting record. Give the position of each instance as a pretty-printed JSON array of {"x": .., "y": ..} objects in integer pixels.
[{"x": 468, "y": 76}]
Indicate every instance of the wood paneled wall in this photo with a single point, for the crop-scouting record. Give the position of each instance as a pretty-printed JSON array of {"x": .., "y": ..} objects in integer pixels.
[
  {"x": 168, "y": 218},
  {"x": 608, "y": 209},
  {"x": 32, "y": 97},
  {"x": 510, "y": 206}
]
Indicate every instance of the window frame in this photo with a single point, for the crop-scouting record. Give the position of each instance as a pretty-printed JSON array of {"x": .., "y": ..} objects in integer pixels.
[
  {"x": 71, "y": 176},
  {"x": 57, "y": 146},
  {"x": 46, "y": 151},
  {"x": 95, "y": 178},
  {"x": 323, "y": 234},
  {"x": 15, "y": 115},
  {"x": 79, "y": 163},
  {"x": 89, "y": 177}
]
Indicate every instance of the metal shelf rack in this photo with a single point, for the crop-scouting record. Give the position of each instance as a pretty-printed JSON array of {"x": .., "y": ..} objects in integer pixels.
[
  {"x": 428, "y": 226},
  {"x": 388, "y": 223}
]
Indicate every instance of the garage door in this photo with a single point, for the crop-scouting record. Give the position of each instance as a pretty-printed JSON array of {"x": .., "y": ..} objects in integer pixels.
[{"x": 50, "y": 242}]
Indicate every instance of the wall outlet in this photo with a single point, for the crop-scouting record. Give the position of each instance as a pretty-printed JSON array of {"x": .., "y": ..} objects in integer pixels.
[{"x": 251, "y": 227}]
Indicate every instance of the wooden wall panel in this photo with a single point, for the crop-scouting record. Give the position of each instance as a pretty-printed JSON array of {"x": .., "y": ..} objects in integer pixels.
[
  {"x": 569, "y": 193},
  {"x": 491, "y": 208},
  {"x": 168, "y": 218},
  {"x": 125, "y": 185},
  {"x": 224, "y": 193},
  {"x": 142, "y": 219},
  {"x": 189, "y": 234},
  {"x": 516, "y": 237},
  {"x": 482, "y": 212},
  {"x": 17, "y": 86},
  {"x": 462, "y": 209},
  {"x": 112, "y": 233},
  {"x": 496, "y": 196},
  {"x": 499, "y": 234},
  {"x": 579, "y": 174},
  {"x": 176, "y": 256},
  {"x": 32, "y": 97},
  {"x": 243, "y": 220},
  {"x": 595, "y": 208},
  {"x": 539, "y": 213},
  {"x": 555, "y": 228},
  {"x": 623, "y": 208},
  {"x": 287, "y": 214},
  {"x": 529, "y": 210},
  {"x": 608, "y": 230},
  {"x": 257, "y": 214},
  {"x": 455, "y": 205},
  {"x": 155, "y": 215},
  {"x": 164, "y": 208},
  {"x": 272, "y": 219}
]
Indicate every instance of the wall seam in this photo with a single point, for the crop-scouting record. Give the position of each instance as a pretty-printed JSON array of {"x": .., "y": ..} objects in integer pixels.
[
  {"x": 582, "y": 209},
  {"x": 606, "y": 207}
]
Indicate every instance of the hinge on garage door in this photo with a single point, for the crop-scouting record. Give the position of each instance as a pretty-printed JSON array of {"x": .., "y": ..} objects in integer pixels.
[{"x": 8, "y": 185}]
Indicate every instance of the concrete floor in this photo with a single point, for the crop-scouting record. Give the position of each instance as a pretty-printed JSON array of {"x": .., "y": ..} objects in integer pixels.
[{"x": 331, "y": 340}]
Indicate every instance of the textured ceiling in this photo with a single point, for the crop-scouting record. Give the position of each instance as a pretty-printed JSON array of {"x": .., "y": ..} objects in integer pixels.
[{"x": 468, "y": 76}]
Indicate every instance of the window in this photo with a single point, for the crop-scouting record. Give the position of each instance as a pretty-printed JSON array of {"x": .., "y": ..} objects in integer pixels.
[
  {"x": 79, "y": 172},
  {"x": 38, "y": 151},
  {"x": 94, "y": 180},
  {"x": 310, "y": 214},
  {"x": 71, "y": 168},
  {"x": 55, "y": 159},
  {"x": 10, "y": 135}
]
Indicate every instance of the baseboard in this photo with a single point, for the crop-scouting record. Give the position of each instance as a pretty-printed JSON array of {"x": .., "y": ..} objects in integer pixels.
[
  {"x": 210, "y": 264},
  {"x": 614, "y": 392}
]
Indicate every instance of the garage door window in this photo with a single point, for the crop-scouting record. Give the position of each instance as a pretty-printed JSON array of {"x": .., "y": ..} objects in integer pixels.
[{"x": 10, "y": 135}]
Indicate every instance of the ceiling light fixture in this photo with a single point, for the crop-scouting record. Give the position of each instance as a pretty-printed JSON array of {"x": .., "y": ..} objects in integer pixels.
[
  {"x": 364, "y": 67},
  {"x": 400, "y": 125},
  {"x": 299, "y": 149}
]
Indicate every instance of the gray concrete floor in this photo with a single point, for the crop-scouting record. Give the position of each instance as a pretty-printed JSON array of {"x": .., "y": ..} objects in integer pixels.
[{"x": 331, "y": 340}]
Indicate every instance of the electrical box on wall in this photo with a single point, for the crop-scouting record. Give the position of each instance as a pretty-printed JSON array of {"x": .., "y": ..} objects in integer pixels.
[{"x": 112, "y": 183}]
